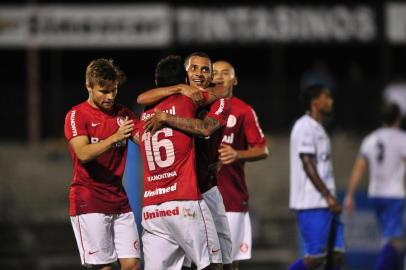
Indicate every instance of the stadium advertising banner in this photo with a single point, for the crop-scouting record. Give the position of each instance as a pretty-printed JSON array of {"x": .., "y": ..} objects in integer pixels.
[
  {"x": 86, "y": 26},
  {"x": 277, "y": 24},
  {"x": 395, "y": 23},
  {"x": 162, "y": 25}
]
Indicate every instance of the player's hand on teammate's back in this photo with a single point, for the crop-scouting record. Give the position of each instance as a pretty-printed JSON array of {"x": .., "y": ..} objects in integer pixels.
[
  {"x": 227, "y": 154},
  {"x": 333, "y": 204},
  {"x": 349, "y": 204},
  {"x": 124, "y": 131},
  {"x": 193, "y": 93},
  {"x": 155, "y": 122}
]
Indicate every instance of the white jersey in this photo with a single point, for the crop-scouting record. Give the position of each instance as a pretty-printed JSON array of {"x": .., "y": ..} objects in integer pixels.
[
  {"x": 309, "y": 137},
  {"x": 385, "y": 151}
]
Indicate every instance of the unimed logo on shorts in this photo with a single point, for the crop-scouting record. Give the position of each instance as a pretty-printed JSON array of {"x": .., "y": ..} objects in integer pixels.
[{"x": 161, "y": 213}]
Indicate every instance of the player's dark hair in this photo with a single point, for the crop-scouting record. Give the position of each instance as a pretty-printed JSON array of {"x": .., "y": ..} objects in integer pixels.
[
  {"x": 100, "y": 71},
  {"x": 170, "y": 71},
  {"x": 390, "y": 113},
  {"x": 200, "y": 54},
  {"x": 311, "y": 92}
]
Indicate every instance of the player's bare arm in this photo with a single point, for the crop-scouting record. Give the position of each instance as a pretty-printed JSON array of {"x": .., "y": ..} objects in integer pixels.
[
  {"x": 229, "y": 155},
  {"x": 358, "y": 171},
  {"x": 87, "y": 151},
  {"x": 192, "y": 126},
  {"x": 155, "y": 95},
  {"x": 311, "y": 172}
]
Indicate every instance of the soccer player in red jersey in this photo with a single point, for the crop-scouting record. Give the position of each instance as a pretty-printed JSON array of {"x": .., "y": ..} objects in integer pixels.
[
  {"x": 97, "y": 131},
  {"x": 176, "y": 220},
  {"x": 208, "y": 128},
  {"x": 243, "y": 141}
]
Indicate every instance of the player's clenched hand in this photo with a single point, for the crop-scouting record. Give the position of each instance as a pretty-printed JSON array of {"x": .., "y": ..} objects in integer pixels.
[
  {"x": 192, "y": 92},
  {"x": 155, "y": 122},
  {"x": 124, "y": 131},
  {"x": 227, "y": 154},
  {"x": 333, "y": 204},
  {"x": 349, "y": 204}
]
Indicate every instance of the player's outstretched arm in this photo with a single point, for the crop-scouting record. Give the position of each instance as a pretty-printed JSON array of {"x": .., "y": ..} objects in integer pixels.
[
  {"x": 311, "y": 172},
  {"x": 86, "y": 151},
  {"x": 155, "y": 95},
  {"x": 193, "y": 126},
  {"x": 229, "y": 155},
  {"x": 358, "y": 171}
]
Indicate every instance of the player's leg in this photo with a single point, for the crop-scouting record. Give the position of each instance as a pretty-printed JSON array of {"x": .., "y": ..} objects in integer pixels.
[
  {"x": 241, "y": 236},
  {"x": 389, "y": 213},
  {"x": 126, "y": 241},
  {"x": 195, "y": 232},
  {"x": 93, "y": 233},
  {"x": 337, "y": 258},
  {"x": 160, "y": 253},
  {"x": 314, "y": 226},
  {"x": 214, "y": 201}
]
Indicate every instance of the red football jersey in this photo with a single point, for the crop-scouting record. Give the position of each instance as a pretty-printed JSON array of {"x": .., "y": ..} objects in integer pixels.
[
  {"x": 97, "y": 185},
  {"x": 207, "y": 148},
  {"x": 169, "y": 156},
  {"x": 242, "y": 130}
]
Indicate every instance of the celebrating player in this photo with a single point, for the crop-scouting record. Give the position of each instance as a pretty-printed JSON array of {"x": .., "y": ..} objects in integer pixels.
[
  {"x": 176, "y": 221},
  {"x": 312, "y": 184},
  {"x": 243, "y": 141},
  {"x": 384, "y": 153},
  {"x": 209, "y": 132},
  {"x": 97, "y": 131}
]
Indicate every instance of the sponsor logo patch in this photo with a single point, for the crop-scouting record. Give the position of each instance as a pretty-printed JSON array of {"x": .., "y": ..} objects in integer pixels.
[{"x": 161, "y": 213}]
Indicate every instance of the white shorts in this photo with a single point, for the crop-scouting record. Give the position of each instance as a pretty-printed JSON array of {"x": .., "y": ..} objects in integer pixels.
[
  {"x": 102, "y": 239},
  {"x": 214, "y": 201},
  {"x": 241, "y": 236},
  {"x": 176, "y": 229}
]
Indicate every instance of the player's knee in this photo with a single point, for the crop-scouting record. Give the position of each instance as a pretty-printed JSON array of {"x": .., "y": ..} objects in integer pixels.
[
  {"x": 131, "y": 265},
  {"x": 396, "y": 242},
  {"x": 313, "y": 262},
  {"x": 214, "y": 266},
  {"x": 338, "y": 258}
]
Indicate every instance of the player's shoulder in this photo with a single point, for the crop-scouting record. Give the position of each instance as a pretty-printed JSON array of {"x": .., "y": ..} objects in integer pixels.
[
  {"x": 304, "y": 124},
  {"x": 239, "y": 103},
  {"x": 79, "y": 109}
]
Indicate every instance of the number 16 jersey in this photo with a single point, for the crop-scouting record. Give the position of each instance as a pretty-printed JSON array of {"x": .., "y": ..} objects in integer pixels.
[{"x": 169, "y": 156}]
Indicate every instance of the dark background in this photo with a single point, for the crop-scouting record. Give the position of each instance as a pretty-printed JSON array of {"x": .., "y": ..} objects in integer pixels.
[{"x": 269, "y": 76}]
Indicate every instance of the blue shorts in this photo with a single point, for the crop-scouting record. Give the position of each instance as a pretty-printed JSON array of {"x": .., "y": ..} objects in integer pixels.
[
  {"x": 318, "y": 228},
  {"x": 390, "y": 216}
]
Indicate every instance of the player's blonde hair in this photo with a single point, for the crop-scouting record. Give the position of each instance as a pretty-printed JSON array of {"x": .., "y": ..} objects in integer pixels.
[{"x": 100, "y": 71}]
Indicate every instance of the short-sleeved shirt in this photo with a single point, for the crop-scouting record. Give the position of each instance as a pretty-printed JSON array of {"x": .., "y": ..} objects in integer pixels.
[
  {"x": 97, "y": 184},
  {"x": 242, "y": 131},
  {"x": 207, "y": 147},
  {"x": 385, "y": 151},
  {"x": 169, "y": 156},
  {"x": 309, "y": 137}
]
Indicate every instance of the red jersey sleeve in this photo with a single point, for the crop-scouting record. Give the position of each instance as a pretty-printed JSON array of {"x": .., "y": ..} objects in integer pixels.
[
  {"x": 220, "y": 110},
  {"x": 75, "y": 124},
  {"x": 253, "y": 132}
]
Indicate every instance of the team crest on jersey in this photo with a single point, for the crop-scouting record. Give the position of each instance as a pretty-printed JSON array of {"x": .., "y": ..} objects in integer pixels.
[
  {"x": 231, "y": 121},
  {"x": 120, "y": 121}
]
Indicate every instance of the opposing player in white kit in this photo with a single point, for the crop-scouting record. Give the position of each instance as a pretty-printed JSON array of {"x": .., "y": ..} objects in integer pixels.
[
  {"x": 97, "y": 131},
  {"x": 383, "y": 152},
  {"x": 312, "y": 186},
  {"x": 209, "y": 131},
  {"x": 177, "y": 222},
  {"x": 243, "y": 141}
]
